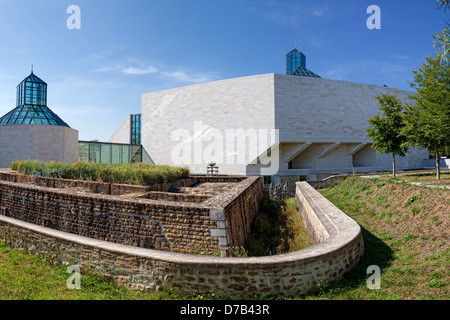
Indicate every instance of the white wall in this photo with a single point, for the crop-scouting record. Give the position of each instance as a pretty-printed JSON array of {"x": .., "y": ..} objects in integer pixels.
[
  {"x": 37, "y": 142},
  {"x": 325, "y": 110},
  {"x": 210, "y": 109},
  {"x": 326, "y": 113},
  {"x": 123, "y": 133},
  {"x": 328, "y": 117}
]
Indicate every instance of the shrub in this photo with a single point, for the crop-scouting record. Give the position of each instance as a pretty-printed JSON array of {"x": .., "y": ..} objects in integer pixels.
[
  {"x": 278, "y": 228},
  {"x": 138, "y": 173},
  {"x": 415, "y": 210},
  {"x": 411, "y": 200},
  {"x": 435, "y": 283}
]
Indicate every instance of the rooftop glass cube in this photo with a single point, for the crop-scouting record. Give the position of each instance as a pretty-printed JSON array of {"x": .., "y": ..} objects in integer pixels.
[
  {"x": 31, "y": 105},
  {"x": 296, "y": 65}
]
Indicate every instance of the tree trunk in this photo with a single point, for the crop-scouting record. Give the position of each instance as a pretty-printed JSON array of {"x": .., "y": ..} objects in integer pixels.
[
  {"x": 438, "y": 165},
  {"x": 393, "y": 165}
]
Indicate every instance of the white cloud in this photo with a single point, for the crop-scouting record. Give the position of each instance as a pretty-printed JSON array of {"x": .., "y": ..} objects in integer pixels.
[
  {"x": 82, "y": 110},
  {"x": 134, "y": 66},
  {"x": 77, "y": 82},
  {"x": 283, "y": 18},
  {"x": 381, "y": 72},
  {"x": 192, "y": 78},
  {"x": 400, "y": 57},
  {"x": 320, "y": 12},
  {"x": 139, "y": 71},
  {"x": 290, "y": 14}
]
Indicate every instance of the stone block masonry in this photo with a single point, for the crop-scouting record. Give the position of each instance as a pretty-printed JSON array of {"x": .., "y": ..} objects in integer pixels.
[
  {"x": 37, "y": 142},
  {"x": 150, "y": 217},
  {"x": 339, "y": 247}
]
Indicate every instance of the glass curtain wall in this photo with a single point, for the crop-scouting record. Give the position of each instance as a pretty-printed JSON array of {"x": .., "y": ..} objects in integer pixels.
[
  {"x": 294, "y": 59},
  {"x": 136, "y": 124},
  {"x": 103, "y": 152}
]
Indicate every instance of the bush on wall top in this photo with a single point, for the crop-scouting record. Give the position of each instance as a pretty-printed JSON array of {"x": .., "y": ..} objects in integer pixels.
[{"x": 137, "y": 174}]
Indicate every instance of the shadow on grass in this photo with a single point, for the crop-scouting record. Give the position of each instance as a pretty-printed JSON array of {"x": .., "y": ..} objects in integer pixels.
[{"x": 376, "y": 253}]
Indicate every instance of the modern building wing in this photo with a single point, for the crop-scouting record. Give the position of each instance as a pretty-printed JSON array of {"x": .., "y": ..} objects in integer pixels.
[
  {"x": 313, "y": 127},
  {"x": 31, "y": 107},
  {"x": 297, "y": 125},
  {"x": 125, "y": 149},
  {"x": 115, "y": 153}
]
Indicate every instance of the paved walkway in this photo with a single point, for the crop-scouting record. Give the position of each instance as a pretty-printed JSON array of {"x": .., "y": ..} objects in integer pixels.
[{"x": 421, "y": 184}]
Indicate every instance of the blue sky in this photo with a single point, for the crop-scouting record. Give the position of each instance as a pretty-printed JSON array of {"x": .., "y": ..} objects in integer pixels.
[{"x": 125, "y": 48}]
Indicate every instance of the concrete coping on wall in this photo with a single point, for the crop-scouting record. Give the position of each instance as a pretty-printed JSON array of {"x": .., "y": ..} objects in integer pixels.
[
  {"x": 342, "y": 231},
  {"x": 238, "y": 183}
]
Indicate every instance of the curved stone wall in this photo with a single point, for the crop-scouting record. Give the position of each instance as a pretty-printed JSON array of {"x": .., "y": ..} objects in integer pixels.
[
  {"x": 339, "y": 247},
  {"x": 196, "y": 214}
]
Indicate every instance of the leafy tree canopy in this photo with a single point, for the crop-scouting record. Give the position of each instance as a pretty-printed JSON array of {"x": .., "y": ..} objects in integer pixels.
[{"x": 385, "y": 128}]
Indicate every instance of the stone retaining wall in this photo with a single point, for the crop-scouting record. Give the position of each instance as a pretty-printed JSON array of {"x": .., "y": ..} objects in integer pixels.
[
  {"x": 340, "y": 246},
  {"x": 325, "y": 183},
  {"x": 148, "y": 217}
]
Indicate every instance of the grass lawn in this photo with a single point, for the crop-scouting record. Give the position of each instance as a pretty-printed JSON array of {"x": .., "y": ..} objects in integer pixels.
[
  {"x": 27, "y": 277},
  {"x": 425, "y": 178},
  {"x": 406, "y": 233}
]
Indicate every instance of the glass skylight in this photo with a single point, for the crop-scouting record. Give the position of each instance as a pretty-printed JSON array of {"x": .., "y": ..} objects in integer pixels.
[{"x": 32, "y": 105}]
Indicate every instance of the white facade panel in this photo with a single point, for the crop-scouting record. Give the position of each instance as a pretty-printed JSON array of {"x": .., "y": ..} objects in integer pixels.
[
  {"x": 123, "y": 133},
  {"x": 321, "y": 125},
  {"x": 37, "y": 142},
  {"x": 204, "y": 122},
  {"x": 324, "y": 110}
]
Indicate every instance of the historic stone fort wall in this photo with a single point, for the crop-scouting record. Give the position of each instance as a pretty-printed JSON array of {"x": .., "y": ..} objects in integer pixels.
[
  {"x": 207, "y": 214},
  {"x": 339, "y": 246}
]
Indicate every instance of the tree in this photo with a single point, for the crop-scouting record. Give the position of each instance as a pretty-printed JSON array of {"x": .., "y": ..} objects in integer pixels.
[
  {"x": 447, "y": 151},
  {"x": 443, "y": 4},
  {"x": 427, "y": 122},
  {"x": 386, "y": 128},
  {"x": 442, "y": 45}
]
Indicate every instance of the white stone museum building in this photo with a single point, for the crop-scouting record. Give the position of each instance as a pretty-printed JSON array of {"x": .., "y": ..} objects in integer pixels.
[{"x": 295, "y": 124}]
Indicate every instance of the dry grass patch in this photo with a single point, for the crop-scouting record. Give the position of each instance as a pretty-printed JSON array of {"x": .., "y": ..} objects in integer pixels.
[{"x": 405, "y": 229}]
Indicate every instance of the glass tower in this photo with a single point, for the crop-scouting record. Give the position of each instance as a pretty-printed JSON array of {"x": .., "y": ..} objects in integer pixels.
[
  {"x": 296, "y": 65},
  {"x": 294, "y": 59},
  {"x": 31, "y": 105},
  {"x": 136, "y": 123}
]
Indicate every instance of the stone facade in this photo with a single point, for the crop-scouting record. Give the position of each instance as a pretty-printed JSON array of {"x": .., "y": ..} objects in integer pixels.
[
  {"x": 37, "y": 142},
  {"x": 339, "y": 247},
  {"x": 138, "y": 216},
  {"x": 321, "y": 126},
  {"x": 191, "y": 116}
]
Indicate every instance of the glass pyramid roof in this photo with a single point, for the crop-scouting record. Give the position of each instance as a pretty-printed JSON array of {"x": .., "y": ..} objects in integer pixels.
[
  {"x": 31, "y": 114},
  {"x": 32, "y": 105},
  {"x": 300, "y": 71},
  {"x": 296, "y": 65}
]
